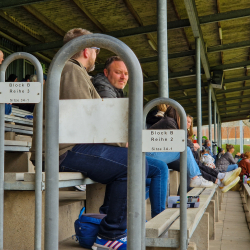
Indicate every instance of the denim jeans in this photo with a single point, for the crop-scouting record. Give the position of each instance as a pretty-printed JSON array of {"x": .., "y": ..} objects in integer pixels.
[
  {"x": 232, "y": 167},
  {"x": 156, "y": 185},
  {"x": 192, "y": 167},
  {"x": 107, "y": 165}
]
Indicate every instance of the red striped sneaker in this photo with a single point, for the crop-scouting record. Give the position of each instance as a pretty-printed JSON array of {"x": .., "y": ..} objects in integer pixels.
[{"x": 120, "y": 244}]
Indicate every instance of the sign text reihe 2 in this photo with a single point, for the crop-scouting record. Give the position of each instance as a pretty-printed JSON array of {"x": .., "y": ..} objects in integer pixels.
[{"x": 163, "y": 140}]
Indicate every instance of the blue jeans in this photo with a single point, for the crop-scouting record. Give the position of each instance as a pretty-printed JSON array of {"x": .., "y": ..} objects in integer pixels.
[
  {"x": 192, "y": 167},
  {"x": 107, "y": 165},
  {"x": 156, "y": 185},
  {"x": 232, "y": 167}
]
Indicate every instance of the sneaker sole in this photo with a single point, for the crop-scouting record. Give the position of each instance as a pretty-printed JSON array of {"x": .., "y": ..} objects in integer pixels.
[
  {"x": 231, "y": 185},
  {"x": 100, "y": 247},
  {"x": 232, "y": 177}
]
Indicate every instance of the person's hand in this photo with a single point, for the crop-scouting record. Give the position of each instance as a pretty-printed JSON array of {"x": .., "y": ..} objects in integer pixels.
[
  {"x": 127, "y": 145},
  {"x": 196, "y": 146},
  {"x": 238, "y": 154}
]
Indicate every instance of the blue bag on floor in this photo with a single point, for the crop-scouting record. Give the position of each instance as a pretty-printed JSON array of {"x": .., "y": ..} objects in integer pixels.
[{"x": 87, "y": 227}]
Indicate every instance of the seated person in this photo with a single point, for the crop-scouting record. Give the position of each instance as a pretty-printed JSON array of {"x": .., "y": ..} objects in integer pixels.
[
  {"x": 221, "y": 151},
  {"x": 110, "y": 84},
  {"x": 156, "y": 115},
  {"x": 227, "y": 162},
  {"x": 103, "y": 163},
  {"x": 206, "y": 158},
  {"x": 245, "y": 165}
]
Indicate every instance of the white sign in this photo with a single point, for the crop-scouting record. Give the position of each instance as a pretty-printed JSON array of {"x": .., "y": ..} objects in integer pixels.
[
  {"x": 163, "y": 140},
  {"x": 93, "y": 120},
  {"x": 20, "y": 92}
]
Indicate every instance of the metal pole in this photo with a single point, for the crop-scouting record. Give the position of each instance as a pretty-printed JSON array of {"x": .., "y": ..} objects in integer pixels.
[
  {"x": 210, "y": 112},
  {"x": 183, "y": 164},
  {"x": 162, "y": 40},
  {"x": 198, "y": 89},
  {"x": 241, "y": 138},
  {"x": 135, "y": 131},
  {"x": 38, "y": 146},
  {"x": 215, "y": 139}
]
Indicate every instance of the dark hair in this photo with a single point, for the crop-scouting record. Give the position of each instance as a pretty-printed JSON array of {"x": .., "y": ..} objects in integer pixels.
[
  {"x": 110, "y": 60},
  {"x": 11, "y": 78},
  {"x": 27, "y": 77},
  {"x": 171, "y": 112},
  {"x": 220, "y": 150}
]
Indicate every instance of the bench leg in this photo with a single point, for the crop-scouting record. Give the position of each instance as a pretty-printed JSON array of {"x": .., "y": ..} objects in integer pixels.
[
  {"x": 220, "y": 198},
  {"x": 174, "y": 182},
  {"x": 216, "y": 200},
  {"x": 211, "y": 211},
  {"x": 94, "y": 197},
  {"x": 201, "y": 234}
]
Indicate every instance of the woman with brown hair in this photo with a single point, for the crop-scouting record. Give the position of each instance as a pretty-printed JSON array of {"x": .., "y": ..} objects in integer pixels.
[
  {"x": 245, "y": 165},
  {"x": 227, "y": 162}
]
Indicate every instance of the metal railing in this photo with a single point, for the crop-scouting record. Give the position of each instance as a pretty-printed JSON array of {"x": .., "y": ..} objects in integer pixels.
[
  {"x": 38, "y": 146},
  {"x": 183, "y": 167},
  {"x": 134, "y": 128}
]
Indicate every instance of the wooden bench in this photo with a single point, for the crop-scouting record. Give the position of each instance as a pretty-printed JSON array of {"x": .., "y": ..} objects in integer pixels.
[
  {"x": 26, "y": 181},
  {"x": 245, "y": 195},
  {"x": 164, "y": 229},
  {"x": 17, "y": 146}
]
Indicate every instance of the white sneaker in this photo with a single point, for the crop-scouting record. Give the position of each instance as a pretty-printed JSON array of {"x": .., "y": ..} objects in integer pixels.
[
  {"x": 200, "y": 182},
  {"x": 230, "y": 176},
  {"x": 81, "y": 187},
  {"x": 230, "y": 185}
]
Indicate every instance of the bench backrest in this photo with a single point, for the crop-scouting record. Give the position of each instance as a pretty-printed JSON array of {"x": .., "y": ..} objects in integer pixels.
[{"x": 93, "y": 120}]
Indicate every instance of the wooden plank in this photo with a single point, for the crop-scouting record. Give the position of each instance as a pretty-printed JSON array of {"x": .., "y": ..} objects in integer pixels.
[
  {"x": 247, "y": 189},
  {"x": 17, "y": 143},
  {"x": 193, "y": 215},
  {"x": 13, "y": 177},
  {"x": 156, "y": 226},
  {"x": 65, "y": 176}
]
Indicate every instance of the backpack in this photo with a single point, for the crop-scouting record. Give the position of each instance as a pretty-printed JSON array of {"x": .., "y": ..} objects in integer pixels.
[{"x": 86, "y": 228}]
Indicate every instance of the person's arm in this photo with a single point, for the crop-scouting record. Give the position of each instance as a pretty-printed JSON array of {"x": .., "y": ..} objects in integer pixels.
[{"x": 231, "y": 159}]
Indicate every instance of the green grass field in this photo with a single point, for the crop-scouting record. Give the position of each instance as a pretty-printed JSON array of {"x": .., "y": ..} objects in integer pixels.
[{"x": 237, "y": 148}]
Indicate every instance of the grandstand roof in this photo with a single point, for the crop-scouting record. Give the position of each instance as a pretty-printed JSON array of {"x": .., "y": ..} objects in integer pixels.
[{"x": 39, "y": 26}]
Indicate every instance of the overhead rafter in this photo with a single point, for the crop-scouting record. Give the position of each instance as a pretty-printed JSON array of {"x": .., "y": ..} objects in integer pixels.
[
  {"x": 15, "y": 3},
  {"x": 233, "y": 98},
  {"x": 87, "y": 14},
  {"x": 21, "y": 26},
  {"x": 232, "y": 90},
  {"x": 33, "y": 11},
  {"x": 153, "y": 28}
]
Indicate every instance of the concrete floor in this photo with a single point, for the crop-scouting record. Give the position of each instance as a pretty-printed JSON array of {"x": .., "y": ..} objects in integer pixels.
[{"x": 231, "y": 231}]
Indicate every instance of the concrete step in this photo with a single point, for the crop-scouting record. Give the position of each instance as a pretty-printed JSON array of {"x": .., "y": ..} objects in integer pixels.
[
  {"x": 69, "y": 244},
  {"x": 19, "y": 217}
]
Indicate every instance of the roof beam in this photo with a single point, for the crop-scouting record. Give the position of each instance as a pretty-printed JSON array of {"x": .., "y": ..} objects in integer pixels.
[
  {"x": 21, "y": 26},
  {"x": 233, "y": 115},
  {"x": 233, "y": 98},
  {"x": 231, "y": 66},
  {"x": 44, "y": 20},
  {"x": 228, "y": 46},
  {"x": 237, "y": 79},
  {"x": 89, "y": 16},
  {"x": 232, "y": 90},
  {"x": 235, "y": 104},
  {"x": 15, "y": 3},
  {"x": 153, "y": 28}
]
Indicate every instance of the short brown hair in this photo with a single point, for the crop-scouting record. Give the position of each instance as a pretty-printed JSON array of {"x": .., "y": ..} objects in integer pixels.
[
  {"x": 229, "y": 146},
  {"x": 110, "y": 60},
  {"x": 247, "y": 155},
  {"x": 74, "y": 33}
]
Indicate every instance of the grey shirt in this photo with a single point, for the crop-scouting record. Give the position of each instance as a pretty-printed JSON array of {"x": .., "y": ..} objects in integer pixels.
[{"x": 226, "y": 160}]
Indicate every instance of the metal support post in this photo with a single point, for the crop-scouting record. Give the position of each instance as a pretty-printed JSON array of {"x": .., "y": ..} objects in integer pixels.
[
  {"x": 38, "y": 146},
  {"x": 198, "y": 90},
  {"x": 210, "y": 112},
  {"x": 215, "y": 134},
  {"x": 162, "y": 34},
  {"x": 183, "y": 164},
  {"x": 241, "y": 137},
  {"x": 134, "y": 131}
]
